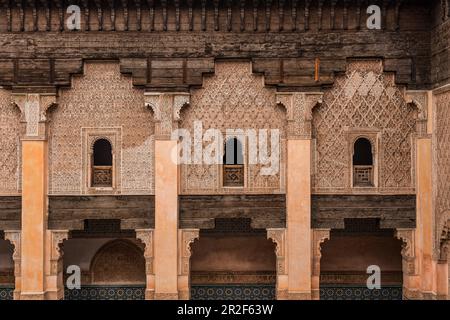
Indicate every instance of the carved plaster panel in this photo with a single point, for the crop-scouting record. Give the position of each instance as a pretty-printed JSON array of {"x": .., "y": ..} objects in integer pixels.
[
  {"x": 101, "y": 98},
  {"x": 233, "y": 98},
  {"x": 441, "y": 163},
  {"x": 408, "y": 249},
  {"x": 278, "y": 236},
  {"x": 364, "y": 98},
  {"x": 319, "y": 237},
  {"x": 10, "y": 155}
]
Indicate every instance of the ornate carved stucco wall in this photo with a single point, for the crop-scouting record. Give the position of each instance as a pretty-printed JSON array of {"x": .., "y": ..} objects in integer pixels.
[
  {"x": 441, "y": 148},
  {"x": 9, "y": 145},
  {"x": 364, "y": 99},
  {"x": 101, "y": 102},
  {"x": 233, "y": 98}
]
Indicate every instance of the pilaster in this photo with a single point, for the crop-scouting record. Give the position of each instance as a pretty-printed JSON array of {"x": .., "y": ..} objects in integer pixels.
[
  {"x": 146, "y": 237},
  {"x": 299, "y": 108},
  {"x": 166, "y": 108},
  {"x": 33, "y": 104}
]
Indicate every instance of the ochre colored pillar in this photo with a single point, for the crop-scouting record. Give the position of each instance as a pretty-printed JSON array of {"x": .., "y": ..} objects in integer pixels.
[
  {"x": 424, "y": 230},
  {"x": 166, "y": 220},
  {"x": 298, "y": 202},
  {"x": 34, "y": 218},
  {"x": 442, "y": 280}
]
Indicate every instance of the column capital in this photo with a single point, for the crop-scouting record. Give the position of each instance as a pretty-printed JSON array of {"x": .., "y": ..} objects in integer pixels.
[
  {"x": 33, "y": 109},
  {"x": 166, "y": 108},
  {"x": 319, "y": 237},
  {"x": 299, "y": 107},
  {"x": 407, "y": 236},
  {"x": 419, "y": 99}
]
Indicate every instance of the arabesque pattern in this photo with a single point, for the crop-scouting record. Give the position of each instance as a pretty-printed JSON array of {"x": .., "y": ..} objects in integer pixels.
[
  {"x": 365, "y": 98},
  {"x": 442, "y": 161},
  {"x": 102, "y": 98},
  {"x": 233, "y": 98},
  {"x": 9, "y": 145}
]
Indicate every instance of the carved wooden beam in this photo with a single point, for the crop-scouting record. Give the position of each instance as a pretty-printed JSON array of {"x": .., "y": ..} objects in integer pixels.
[
  {"x": 216, "y": 15},
  {"x": 7, "y": 7},
  {"x": 333, "y": 14},
  {"x": 307, "y": 6},
  {"x": 255, "y": 15},
  {"x": 384, "y": 9},
  {"x": 151, "y": 12},
  {"x": 21, "y": 15},
  {"x": 320, "y": 13},
  {"x": 281, "y": 14},
  {"x": 268, "y": 14},
  {"x": 191, "y": 15},
  {"x": 98, "y": 3},
  {"x": 61, "y": 9},
  {"x": 164, "y": 13},
  {"x": 113, "y": 14},
  {"x": 32, "y": 4},
  {"x": 345, "y": 14},
  {"x": 242, "y": 15},
  {"x": 358, "y": 14},
  {"x": 294, "y": 15},
  {"x": 86, "y": 14},
  {"x": 177, "y": 14},
  {"x": 125, "y": 14},
  {"x": 203, "y": 15},
  {"x": 46, "y": 6},
  {"x": 398, "y": 5},
  {"x": 138, "y": 14},
  {"x": 229, "y": 13}
]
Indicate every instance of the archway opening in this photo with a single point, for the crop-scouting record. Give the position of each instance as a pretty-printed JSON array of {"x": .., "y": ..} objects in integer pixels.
[
  {"x": 353, "y": 252},
  {"x": 7, "y": 278},
  {"x": 233, "y": 261},
  {"x": 110, "y": 260}
]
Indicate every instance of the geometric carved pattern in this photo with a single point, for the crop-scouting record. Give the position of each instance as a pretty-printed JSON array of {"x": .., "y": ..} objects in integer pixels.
[
  {"x": 442, "y": 162},
  {"x": 102, "y": 97},
  {"x": 408, "y": 250},
  {"x": 145, "y": 236},
  {"x": 278, "y": 236},
  {"x": 118, "y": 262},
  {"x": 232, "y": 98},
  {"x": 233, "y": 292},
  {"x": 10, "y": 145},
  {"x": 364, "y": 98}
]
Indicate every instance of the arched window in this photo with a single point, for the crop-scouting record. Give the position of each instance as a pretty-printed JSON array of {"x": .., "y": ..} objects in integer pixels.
[
  {"x": 233, "y": 164},
  {"x": 102, "y": 164},
  {"x": 362, "y": 163}
]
